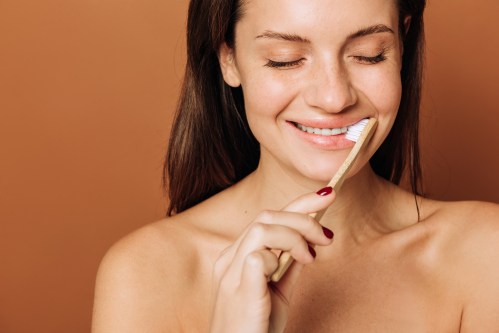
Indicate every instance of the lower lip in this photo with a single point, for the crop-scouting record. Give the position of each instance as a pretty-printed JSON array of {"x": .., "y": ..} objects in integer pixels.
[{"x": 333, "y": 142}]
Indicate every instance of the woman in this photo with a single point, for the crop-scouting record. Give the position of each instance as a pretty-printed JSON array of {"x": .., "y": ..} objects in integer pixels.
[{"x": 247, "y": 164}]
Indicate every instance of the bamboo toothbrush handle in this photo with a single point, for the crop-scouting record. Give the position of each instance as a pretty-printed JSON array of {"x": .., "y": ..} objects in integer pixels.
[{"x": 285, "y": 259}]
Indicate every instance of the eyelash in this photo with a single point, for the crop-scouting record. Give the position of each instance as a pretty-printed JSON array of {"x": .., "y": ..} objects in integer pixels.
[
  {"x": 372, "y": 60},
  {"x": 283, "y": 64},
  {"x": 286, "y": 64}
]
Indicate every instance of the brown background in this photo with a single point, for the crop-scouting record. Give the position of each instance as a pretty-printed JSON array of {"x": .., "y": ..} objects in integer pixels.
[{"x": 87, "y": 89}]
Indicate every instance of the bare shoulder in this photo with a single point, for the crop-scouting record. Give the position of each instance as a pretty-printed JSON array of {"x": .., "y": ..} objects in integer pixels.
[
  {"x": 469, "y": 210},
  {"x": 468, "y": 241},
  {"x": 467, "y": 220},
  {"x": 147, "y": 278},
  {"x": 468, "y": 226}
]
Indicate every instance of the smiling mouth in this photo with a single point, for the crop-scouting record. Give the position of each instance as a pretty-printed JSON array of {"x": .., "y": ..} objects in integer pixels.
[{"x": 322, "y": 131}]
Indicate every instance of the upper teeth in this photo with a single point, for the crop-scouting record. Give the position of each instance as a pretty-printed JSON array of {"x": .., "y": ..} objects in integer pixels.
[{"x": 322, "y": 131}]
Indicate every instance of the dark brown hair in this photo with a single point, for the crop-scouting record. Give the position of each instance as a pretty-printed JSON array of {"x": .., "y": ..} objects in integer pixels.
[{"x": 211, "y": 146}]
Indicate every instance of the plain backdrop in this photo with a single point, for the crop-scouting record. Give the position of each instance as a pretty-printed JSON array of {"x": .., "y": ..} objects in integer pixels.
[{"x": 87, "y": 93}]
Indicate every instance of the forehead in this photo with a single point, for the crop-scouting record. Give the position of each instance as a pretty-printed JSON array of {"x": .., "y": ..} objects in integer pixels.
[{"x": 312, "y": 18}]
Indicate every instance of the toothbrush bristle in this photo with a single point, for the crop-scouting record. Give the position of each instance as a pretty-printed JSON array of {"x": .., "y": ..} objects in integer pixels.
[{"x": 354, "y": 131}]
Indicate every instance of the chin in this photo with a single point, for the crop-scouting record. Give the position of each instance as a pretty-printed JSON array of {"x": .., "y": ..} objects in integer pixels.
[
  {"x": 322, "y": 168},
  {"x": 320, "y": 175}
]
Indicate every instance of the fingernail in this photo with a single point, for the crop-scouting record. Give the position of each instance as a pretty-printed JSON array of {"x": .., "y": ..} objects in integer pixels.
[
  {"x": 312, "y": 251},
  {"x": 328, "y": 233},
  {"x": 325, "y": 191}
]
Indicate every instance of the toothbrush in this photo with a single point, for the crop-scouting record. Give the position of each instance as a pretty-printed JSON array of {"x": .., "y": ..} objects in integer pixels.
[{"x": 360, "y": 133}]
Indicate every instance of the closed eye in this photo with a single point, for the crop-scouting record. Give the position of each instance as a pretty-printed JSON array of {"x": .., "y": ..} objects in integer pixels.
[
  {"x": 371, "y": 60},
  {"x": 284, "y": 64}
]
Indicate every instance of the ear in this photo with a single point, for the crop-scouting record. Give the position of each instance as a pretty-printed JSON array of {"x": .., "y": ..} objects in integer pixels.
[
  {"x": 227, "y": 60},
  {"x": 407, "y": 23}
]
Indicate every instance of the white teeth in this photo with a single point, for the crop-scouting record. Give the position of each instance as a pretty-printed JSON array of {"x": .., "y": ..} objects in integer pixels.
[
  {"x": 322, "y": 131},
  {"x": 337, "y": 131}
]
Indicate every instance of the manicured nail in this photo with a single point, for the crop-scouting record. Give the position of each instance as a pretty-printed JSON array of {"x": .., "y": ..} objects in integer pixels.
[
  {"x": 312, "y": 251},
  {"x": 328, "y": 233},
  {"x": 325, "y": 191}
]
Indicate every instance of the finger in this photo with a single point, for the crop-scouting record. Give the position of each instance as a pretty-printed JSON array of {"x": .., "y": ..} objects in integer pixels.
[
  {"x": 268, "y": 236},
  {"x": 222, "y": 263},
  {"x": 256, "y": 237},
  {"x": 274, "y": 236},
  {"x": 307, "y": 226},
  {"x": 306, "y": 204},
  {"x": 316, "y": 201},
  {"x": 257, "y": 268},
  {"x": 312, "y": 202}
]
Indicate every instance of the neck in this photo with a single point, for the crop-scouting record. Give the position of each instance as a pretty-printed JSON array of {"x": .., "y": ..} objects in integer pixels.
[{"x": 361, "y": 199}]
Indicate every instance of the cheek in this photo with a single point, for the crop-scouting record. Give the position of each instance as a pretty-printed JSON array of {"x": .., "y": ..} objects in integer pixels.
[
  {"x": 383, "y": 89},
  {"x": 266, "y": 95}
]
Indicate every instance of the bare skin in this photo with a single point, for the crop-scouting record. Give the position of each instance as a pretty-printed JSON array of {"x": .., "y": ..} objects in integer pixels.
[
  {"x": 206, "y": 269},
  {"x": 393, "y": 275}
]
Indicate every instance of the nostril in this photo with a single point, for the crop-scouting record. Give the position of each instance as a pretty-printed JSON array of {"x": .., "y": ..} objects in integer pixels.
[{"x": 330, "y": 91}]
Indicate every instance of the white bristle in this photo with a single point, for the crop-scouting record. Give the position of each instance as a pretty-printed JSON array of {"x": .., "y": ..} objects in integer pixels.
[{"x": 354, "y": 131}]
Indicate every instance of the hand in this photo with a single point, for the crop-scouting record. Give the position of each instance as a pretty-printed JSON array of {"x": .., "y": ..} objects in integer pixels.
[{"x": 245, "y": 300}]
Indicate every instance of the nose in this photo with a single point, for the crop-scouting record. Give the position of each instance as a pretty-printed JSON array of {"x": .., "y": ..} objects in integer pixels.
[{"x": 330, "y": 89}]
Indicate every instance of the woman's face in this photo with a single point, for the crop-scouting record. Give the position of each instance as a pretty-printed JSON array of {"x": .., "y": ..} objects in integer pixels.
[{"x": 315, "y": 64}]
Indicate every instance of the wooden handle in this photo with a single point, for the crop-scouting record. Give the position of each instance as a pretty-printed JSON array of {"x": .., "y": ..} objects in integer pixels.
[{"x": 285, "y": 259}]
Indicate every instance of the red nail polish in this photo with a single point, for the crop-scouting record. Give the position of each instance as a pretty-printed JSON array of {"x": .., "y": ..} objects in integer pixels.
[
  {"x": 328, "y": 233},
  {"x": 325, "y": 191},
  {"x": 312, "y": 251}
]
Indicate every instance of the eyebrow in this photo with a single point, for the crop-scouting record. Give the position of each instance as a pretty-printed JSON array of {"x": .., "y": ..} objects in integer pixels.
[
  {"x": 283, "y": 36},
  {"x": 375, "y": 29}
]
